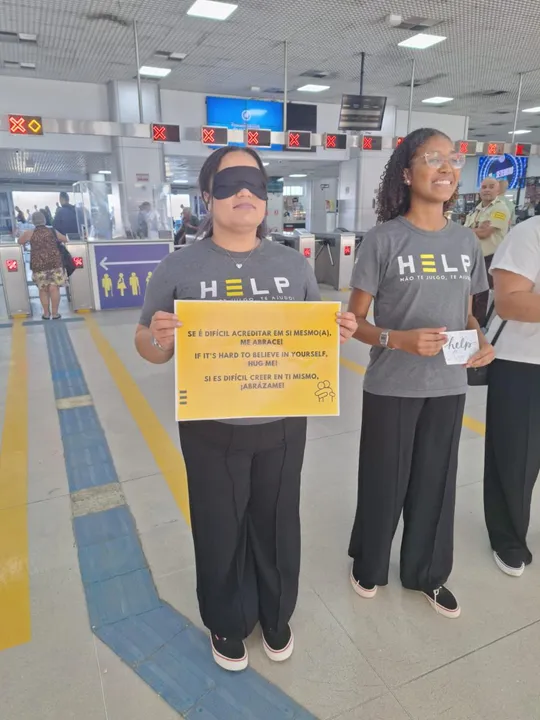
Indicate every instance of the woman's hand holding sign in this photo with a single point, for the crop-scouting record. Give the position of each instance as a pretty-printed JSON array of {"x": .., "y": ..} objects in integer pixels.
[{"x": 163, "y": 328}]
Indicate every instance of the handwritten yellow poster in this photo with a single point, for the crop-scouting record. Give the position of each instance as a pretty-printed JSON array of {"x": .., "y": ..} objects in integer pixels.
[{"x": 256, "y": 359}]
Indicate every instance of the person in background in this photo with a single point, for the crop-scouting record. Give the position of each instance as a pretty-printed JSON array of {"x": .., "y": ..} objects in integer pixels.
[
  {"x": 28, "y": 216},
  {"x": 422, "y": 271},
  {"x": 503, "y": 190},
  {"x": 190, "y": 225},
  {"x": 48, "y": 215},
  {"x": 45, "y": 263},
  {"x": 489, "y": 221},
  {"x": 512, "y": 455},
  {"x": 19, "y": 215},
  {"x": 243, "y": 475},
  {"x": 65, "y": 219},
  {"x": 147, "y": 222}
]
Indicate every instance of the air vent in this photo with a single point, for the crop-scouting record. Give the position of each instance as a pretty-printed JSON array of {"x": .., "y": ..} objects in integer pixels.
[
  {"x": 11, "y": 63},
  {"x": 417, "y": 24},
  {"x": 8, "y": 37},
  {"x": 421, "y": 81},
  {"x": 492, "y": 93},
  {"x": 173, "y": 56},
  {"x": 274, "y": 91},
  {"x": 318, "y": 74},
  {"x": 497, "y": 124},
  {"x": 501, "y": 112},
  {"x": 108, "y": 17}
]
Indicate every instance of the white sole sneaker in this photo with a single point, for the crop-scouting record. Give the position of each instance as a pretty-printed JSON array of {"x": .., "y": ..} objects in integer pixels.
[
  {"x": 279, "y": 655},
  {"x": 229, "y": 664},
  {"x": 508, "y": 569},
  {"x": 440, "y": 610},
  {"x": 362, "y": 591}
]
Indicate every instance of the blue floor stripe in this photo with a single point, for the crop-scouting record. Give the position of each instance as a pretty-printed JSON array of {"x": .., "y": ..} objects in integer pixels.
[{"x": 159, "y": 643}]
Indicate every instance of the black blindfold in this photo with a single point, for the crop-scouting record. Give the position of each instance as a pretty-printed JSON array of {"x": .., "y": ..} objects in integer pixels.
[{"x": 230, "y": 181}]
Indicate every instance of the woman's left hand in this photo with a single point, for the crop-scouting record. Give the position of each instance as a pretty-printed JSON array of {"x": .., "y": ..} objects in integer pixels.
[
  {"x": 484, "y": 356},
  {"x": 347, "y": 326}
]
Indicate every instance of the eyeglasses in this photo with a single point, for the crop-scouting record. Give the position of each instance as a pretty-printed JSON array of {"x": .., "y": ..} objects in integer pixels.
[{"x": 436, "y": 160}]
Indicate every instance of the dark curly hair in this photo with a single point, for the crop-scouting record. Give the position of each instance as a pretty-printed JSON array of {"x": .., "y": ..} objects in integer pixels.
[
  {"x": 206, "y": 180},
  {"x": 394, "y": 196}
]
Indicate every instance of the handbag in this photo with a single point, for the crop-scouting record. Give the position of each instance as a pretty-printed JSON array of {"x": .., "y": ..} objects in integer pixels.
[
  {"x": 68, "y": 263},
  {"x": 476, "y": 377}
]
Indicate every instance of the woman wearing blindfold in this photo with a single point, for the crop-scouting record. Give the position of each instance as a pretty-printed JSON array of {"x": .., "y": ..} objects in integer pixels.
[{"x": 243, "y": 475}]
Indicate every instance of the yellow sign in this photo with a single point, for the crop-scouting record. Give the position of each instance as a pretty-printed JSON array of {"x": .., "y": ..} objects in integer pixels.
[{"x": 256, "y": 359}]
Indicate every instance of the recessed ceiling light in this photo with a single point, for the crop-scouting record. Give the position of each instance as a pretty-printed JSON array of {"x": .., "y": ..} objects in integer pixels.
[
  {"x": 266, "y": 164},
  {"x": 104, "y": 172},
  {"x": 519, "y": 132},
  {"x": 211, "y": 9},
  {"x": 280, "y": 179},
  {"x": 437, "y": 100},
  {"x": 28, "y": 66},
  {"x": 313, "y": 88},
  {"x": 154, "y": 72},
  {"x": 298, "y": 175},
  {"x": 28, "y": 37},
  {"x": 181, "y": 182},
  {"x": 532, "y": 110},
  {"x": 421, "y": 41},
  {"x": 177, "y": 56}
]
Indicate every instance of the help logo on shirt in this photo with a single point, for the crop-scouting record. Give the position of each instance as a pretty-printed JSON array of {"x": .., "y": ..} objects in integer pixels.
[{"x": 430, "y": 266}]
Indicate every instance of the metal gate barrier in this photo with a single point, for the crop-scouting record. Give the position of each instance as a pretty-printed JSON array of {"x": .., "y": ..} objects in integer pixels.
[
  {"x": 334, "y": 260},
  {"x": 14, "y": 286},
  {"x": 301, "y": 241},
  {"x": 79, "y": 287}
]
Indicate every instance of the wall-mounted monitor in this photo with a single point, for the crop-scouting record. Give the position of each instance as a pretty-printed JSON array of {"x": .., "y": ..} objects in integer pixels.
[
  {"x": 244, "y": 113},
  {"x": 362, "y": 112},
  {"x": 503, "y": 167}
]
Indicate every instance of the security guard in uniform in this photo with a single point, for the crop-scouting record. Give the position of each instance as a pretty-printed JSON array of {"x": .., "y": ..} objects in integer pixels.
[{"x": 489, "y": 221}]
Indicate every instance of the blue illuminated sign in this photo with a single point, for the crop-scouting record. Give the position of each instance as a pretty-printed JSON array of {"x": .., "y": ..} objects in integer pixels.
[
  {"x": 243, "y": 113},
  {"x": 503, "y": 167}
]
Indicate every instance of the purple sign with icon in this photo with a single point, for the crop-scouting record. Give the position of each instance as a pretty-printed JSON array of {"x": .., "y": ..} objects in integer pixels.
[{"x": 124, "y": 271}]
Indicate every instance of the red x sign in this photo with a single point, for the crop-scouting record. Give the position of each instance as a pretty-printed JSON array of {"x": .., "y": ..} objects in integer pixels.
[
  {"x": 294, "y": 139},
  {"x": 331, "y": 141},
  {"x": 17, "y": 125},
  {"x": 159, "y": 132},
  {"x": 253, "y": 137},
  {"x": 367, "y": 143},
  {"x": 208, "y": 135},
  {"x": 12, "y": 266},
  {"x": 78, "y": 262}
]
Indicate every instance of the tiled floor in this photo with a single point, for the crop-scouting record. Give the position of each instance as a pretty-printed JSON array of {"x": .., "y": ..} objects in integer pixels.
[{"x": 391, "y": 658}]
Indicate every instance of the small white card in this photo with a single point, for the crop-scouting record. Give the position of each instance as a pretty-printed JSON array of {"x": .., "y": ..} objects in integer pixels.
[{"x": 460, "y": 346}]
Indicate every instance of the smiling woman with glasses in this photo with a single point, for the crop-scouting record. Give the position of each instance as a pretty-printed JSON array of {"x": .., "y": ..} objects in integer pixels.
[{"x": 421, "y": 270}]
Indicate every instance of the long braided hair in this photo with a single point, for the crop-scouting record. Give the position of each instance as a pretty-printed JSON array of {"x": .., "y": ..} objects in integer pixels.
[{"x": 394, "y": 196}]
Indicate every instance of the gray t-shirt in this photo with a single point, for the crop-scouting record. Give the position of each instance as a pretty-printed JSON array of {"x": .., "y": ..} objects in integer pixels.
[
  {"x": 204, "y": 270},
  {"x": 419, "y": 279}
]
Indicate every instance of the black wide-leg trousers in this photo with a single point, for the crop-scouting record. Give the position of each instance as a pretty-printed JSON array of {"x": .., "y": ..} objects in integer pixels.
[
  {"x": 244, "y": 494},
  {"x": 408, "y": 463},
  {"x": 512, "y": 460}
]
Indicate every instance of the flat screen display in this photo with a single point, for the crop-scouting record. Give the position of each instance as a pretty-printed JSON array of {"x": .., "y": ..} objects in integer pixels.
[
  {"x": 362, "y": 112},
  {"x": 503, "y": 167},
  {"x": 243, "y": 113}
]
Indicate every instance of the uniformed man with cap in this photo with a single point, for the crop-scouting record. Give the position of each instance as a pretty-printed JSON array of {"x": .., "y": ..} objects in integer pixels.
[{"x": 489, "y": 221}]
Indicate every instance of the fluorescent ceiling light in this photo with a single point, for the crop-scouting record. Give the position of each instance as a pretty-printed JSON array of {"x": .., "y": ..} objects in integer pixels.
[
  {"x": 104, "y": 172},
  {"x": 422, "y": 41},
  {"x": 154, "y": 72},
  {"x": 313, "y": 88},
  {"x": 266, "y": 164},
  {"x": 177, "y": 56},
  {"x": 28, "y": 66},
  {"x": 181, "y": 182},
  {"x": 280, "y": 179},
  {"x": 27, "y": 37},
  {"x": 298, "y": 175},
  {"x": 519, "y": 132},
  {"x": 532, "y": 110},
  {"x": 437, "y": 100},
  {"x": 211, "y": 10}
]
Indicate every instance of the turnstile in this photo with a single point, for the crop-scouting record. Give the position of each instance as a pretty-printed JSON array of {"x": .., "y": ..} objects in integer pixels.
[
  {"x": 79, "y": 287},
  {"x": 13, "y": 285},
  {"x": 300, "y": 240},
  {"x": 334, "y": 259}
]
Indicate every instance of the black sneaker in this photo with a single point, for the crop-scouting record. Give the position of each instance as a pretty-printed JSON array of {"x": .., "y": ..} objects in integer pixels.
[
  {"x": 229, "y": 654},
  {"x": 279, "y": 646},
  {"x": 443, "y": 602},
  {"x": 363, "y": 589},
  {"x": 507, "y": 565}
]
